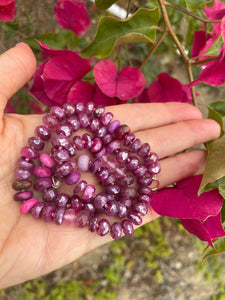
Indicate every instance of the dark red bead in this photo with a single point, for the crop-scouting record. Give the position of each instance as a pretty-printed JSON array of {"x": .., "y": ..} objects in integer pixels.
[{"x": 121, "y": 131}]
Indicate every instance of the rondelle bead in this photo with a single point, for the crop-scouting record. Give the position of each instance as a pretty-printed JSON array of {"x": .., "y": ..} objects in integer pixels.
[
  {"x": 58, "y": 215},
  {"x": 122, "y": 155},
  {"x": 135, "y": 147},
  {"x": 80, "y": 186},
  {"x": 60, "y": 155},
  {"x": 133, "y": 163},
  {"x": 72, "y": 151},
  {"x": 69, "y": 217},
  {"x": 36, "y": 211},
  {"x": 144, "y": 198},
  {"x": 96, "y": 145},
  {"x": 26, "y": 206},
  {"x": 129, "y": 192},
  {"x": 61, "y": 140},
  {"x": 144, "y": 181},
  {"x": 48, "y": 213},
  {"x": 79, "y": 107},
  {"x": 102, "y": 174},
  {"x": 30, "y": 153},
  {"x": 83, "y": 162},
  {"x": 63, "y": 169},
  {"x": 141, "y": 171},
  {"x": 43, "y": 132},
  {"x": 76, "y": 203},
  {"x": 23, "y": 196},
  {"x": 144, "y": 150},
  {"x": 112, "y": 189},
  {"x": 42, "y": 184},
  {"x": 65, "y": 129},
  {"x": 88, "y": 192},
  {"x": 127, "y": 180},
  {"x": 151, "y": 158},
  {"x": 99, "y": 111},
  {"x": 72, "y": 178},
  {"x": 111, "y": 208},
  {"x": 46, "y": 160},
  {"x": 154, "y": 168},
  {"x": 84, "y": 120},
  {"x": 103, "y": 227},
  {"x": 86, "y": 137},
  {"x": 144, "y": 190},
  {"x": 42, "y": 171},
  {"x": 140, "y": 208},
  {"x": 128, "y": 139},
  {"x": 128, "y": 227},
  {"x": 94, "y": 125},
  {"x": 74, "y": 122},
  {"x": 69, "y": 109},
  {"x": 122, "y": 210},
  {"x": 20, "y": 185},
  {"x": 25, "y": 163},
  {"x": 110, "y": 179},
  {"x": 78, "y": 142},
  {"x": 36, "y": 143},
  {"x": 121, "y": 131},
  {"x": 134, "y": 218},
  {"x": 95, "y": 165},
  {"x": 100, "y": 153},
  {"x": 57, "y": 112},
  {"x": 106, "y": 118},
  {"x": 100, "y": 201},
  {"x": 90, "y": 207},
  {"x": 89, "y": 108},
  {"x": 82, "y": 218},
  {"x": 93, "y": 223},
  {"x": 116, "y": 231},
  {"x": 126, "y": 201},
  {"x": 22, "y": 174},
  {"x": 107, "y": 139},
  {"x": 61, "y": 200},
  {"x": 50, "y": 121},
  {"x": 112, "y": 127},
  {"x": 101, "y": 132},
  {"x": 113, "y": 146},
  {"x": 50, "y": 195}
]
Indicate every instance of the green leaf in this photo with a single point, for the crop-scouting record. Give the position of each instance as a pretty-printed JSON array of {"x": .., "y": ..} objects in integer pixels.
[
  {"x": 214, "y": 174},
  {"x": 214, "y": 50},
  {"x": 104, "y": 4},
  {"x": 219, "y": 248},
  {"x": 218, "y": 106},
  {"x": 111, "y": 31},
  {"x": 192, "y": 5},
  {"x": 222, "y": 190},
  {"x": 215, "y": 115}
]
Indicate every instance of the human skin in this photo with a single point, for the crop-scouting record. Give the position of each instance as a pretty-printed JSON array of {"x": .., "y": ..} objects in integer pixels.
[{"x": 30, "y": 248}]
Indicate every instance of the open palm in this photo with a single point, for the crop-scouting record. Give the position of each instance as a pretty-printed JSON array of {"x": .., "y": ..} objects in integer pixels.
[{"x": 30, "y": 248}]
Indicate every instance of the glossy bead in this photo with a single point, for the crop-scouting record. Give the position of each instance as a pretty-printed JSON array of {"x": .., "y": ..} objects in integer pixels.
[
  {"x": 121, "y": 131},
  {"x": 144, "y": 181},
  {"x": 128, "y": 227},
  {"x": 69, "y": 217},
  {"x": 57, "y": 112},
  {"x": 61, "y": 200},
  {"x": 79, "y": 107},
  {"x": 110, "y": 179},
  {"x": 26, "y": 206},
  {"x": 80, "y": 186},
  {"x": 87, "y": 140},
  {"x": 100, "y": 153},
  {"x": 103, "y": 227},
  {"x": 140, "y": 208},
  {"x": 141, "y": 171},
  {"x": 74, "y": 122},
  {"x": 76, "y": 203},
  {"x": 151, "y": 158},
  {"x": 60, "y": 140},
  {"x": 100, "y": 201},
  {"x": 84, "y": 120},
  {"x": 134, "y": 218},
  {"x": 58, "y": 215},
  {"x": 20, "y": 185},
  {"x": 101, "y": 132},
  {"x": 36, "y": 143},
  {"x": 116, "y": 231},
  {"x": 72, "y": 151},
  {"x": 112, "y": 127},
  {"x": 22, "y": 174},
  {"x": 102, "y": 174},
  {"x": 42, "y": 171},
  {"x": 50, "y": 121},
  {"x": 122, "y": 210},
  {"x": 95, "y": 165},
  {"x": 83, "y": 162},
  {"x": 107, "y": 139},
  {"x": 128, "y": 139},
  {"x": 50, "y": 195},
  {"x": 69, "y": 109},
  {"x": 46, "y": 160},
  {"x": 72, "y": 178},
  {"x": 30, "y": 153},
  {"x": 99, "y": 111},
  {"x": 112, "y": 189},
  {"x": 144, "y": 150},
  {"x": 145, "y": 190},
  {"x": 65, "y": 129},
  {"x": 60, "y": 155},
  {"x": 42, "y": 184},
  {"x": 36, "y": 211},
  {"x": 22, "y": 196},
  {"x": 43, "y": 132},
  {"x": 78, "y": 142},
  {"x": 106, "y": 118},
  {"x": 122, "y": 155},
  {"x": 126, "y": 201},
  {"x": 90, "y": 207},
  {"x": 94, "y": 125},
  {"x": 93, "y": 223},
  {"x": 63, "y": 170},
  {"x": 88, "y": 192},
  {"x": 82, "y": 218},
  {"x": 113, "y": 146},
  {"x": 25, "y": 163},
  {"x": 135, "y": 147},
  {"x": 129, "y": 192},
  {"x": 89, "y": 108},
  {"x": 96, "y": 145},
  {"x": 133, "y": 163},
  {"x": 154, "y": 168},
  {"x": 111, "y": 208},
  {"x": 127, "y": 180},
  {"x": 47, "y": 213},
  {"x": 144, "y": 198}
]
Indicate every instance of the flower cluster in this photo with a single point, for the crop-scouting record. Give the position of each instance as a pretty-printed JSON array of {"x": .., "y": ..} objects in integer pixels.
[{"x": 7, "y": 10}]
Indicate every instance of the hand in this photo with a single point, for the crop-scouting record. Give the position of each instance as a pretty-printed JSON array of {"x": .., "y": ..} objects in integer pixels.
[{"x": 30, "y": 248}]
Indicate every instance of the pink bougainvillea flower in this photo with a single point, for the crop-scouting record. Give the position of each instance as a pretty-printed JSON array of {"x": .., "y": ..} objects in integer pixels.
[
  {"x": 81, "y": 91},
  {"x": 72, "y": 14},
  {"x": 201, "y": 43},
  {"x": 99, "y": 98},
  {"x": 124, "y": 85},
  {"x": 10, "y": 109},
  {"x": 7, "y": 10},
  {"x": 167, "y": 89},
  {"x": 200, "y": 214},
  {"x": 55, "y": 77},
  {"x": 215, "y": 12}
]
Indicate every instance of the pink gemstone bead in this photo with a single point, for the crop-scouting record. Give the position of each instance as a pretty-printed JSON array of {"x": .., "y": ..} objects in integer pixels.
[
  {"x": 83, "y": 162},
  {"x": 113, "y": 126},
  {"x": 46, "y": 160},
  {"x": 26, "y": 206},
  {"x": 69, "y": 217},
  {"x": 72, "y": 178},
  {"x": 42, "y": 171},
  {"x": 28, "y": 152},
  {"x": 88, "y": 192},
  {"x": 106, "y": 118}
]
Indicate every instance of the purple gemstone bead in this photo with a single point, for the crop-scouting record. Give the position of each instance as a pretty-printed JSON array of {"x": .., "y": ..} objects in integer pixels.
[
  {"x": 60, "y": 155},
  {"x": 50, "y": 121},
  {"x": 46, "y": 160},
  {"x": 102, "y": 174},
  {"x": 58, "y": 215},
  {"x": 28, "y": 152},
  {"x": 144, "y": 181},
  {"x": 76, "y": 203},
  {"x": 43, "y": 132},
  {"x": 82, "y": 218},
  {"x": 101, "y": 132},
  {"x": 141, "y": 171},
  {"x": 42, "y": 184},
  {"x": 89, "y": 108},
  {"x": 22, "y": 196},
  {"x": 61, "y": 140},
  {"x": 99, "y": 111},
  {"x": 36, "y": 143},
  {"x": 42, "y": 172},
  {"x": 122, "y": 155},
  {"x": 94, "y": 125},
  {"x": 100, "y": 201},
  {"x": 128, "y": 227},
  {"x": 113, "y": 146},
  {"x": 74, "y": 122},
  {"x": 83, "y": 162},
  {"x": 90, "y": 207},
  {"x": 65, "y": 129},
  {"x": 69, "y": 217},
  {"x": 128, "y": 139},
  {"x": 48, "y": 213},
  {"x": 22, "y": 174},
  {"x": 127, "y": 180},
  {"x": 79, "y": 107},
  {"x": 151, "y": 158},
  {"x": 145, "y": 190},
  {"x": 61, "y": 200},
  {"x": 116, "y": 231},
  {"x": 144, "y": 198},
  {"x": 126, "y": 201},
  {"x": 57, "y": 112},
  {"x": 96, "y": 145},
  {"x": 112, "y": 189},
  {"x": 95, "y": 165},
  {"x": 112, "y": 127},
  {"x": 140, "y": 208},
  {"x": 20, "y": 185},
  {"x": 36, "y": 211},
  {"x": 107, "y": 139},
  {"x": 129, "y": 192},
  {"x": 27, "y": 205},
  {"x": 93, "y": 223},
  {"x": 106, "y": 118},
  {"x": 25, "y": 163},
  {"x": 122, "y": 210},
  {"x": 111, "y": 208},
  {"x": 121, "y": 131},
  {"x": 110, "y": 179},
  {"x": 80, "y": 186},
  {"x": 103, "y": 227},
  {"x": 63, "y": 169},
  {"x": 144, "y": 150},
  {"x": 84, "y": 121},
  {"x": 135, "y": 147},
  {"x": 78, "y": 143},
  {"x": 88, "y": 192},
  {"x": 154, "y": 168},
  {"x": 133, "y": 163},
  {"x": 69, "y": 109},
  {"x": 100, "y": 153},
  {"x": 50, "y": 195},
  {"x": 134, "y": 218},
  {"x": 87, "y": 140},
  {"x": 72, "y": 178},
  {"x": 71, "y": 151}
]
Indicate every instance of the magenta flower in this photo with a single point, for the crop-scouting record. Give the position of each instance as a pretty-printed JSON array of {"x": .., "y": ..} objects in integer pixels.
[
  {"x": 99, "y": 98},
  {"x": 72, "y": 15},
  {"x": 7, "y": 10},
  {"x": 124, "y": 85},
  {"x": 200, "y": 215},
  {"x": 54, "y": 78}
]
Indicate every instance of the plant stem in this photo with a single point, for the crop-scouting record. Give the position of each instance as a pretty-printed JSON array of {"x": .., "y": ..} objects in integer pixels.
[
  {"x": 198, "y": 62},
  {"x": 128, "y": 7}
]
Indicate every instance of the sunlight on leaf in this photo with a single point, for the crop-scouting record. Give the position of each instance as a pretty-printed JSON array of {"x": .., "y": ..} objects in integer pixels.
[
  {"x": 214, "y": 50},
  {"x": 104, "y": 4}
]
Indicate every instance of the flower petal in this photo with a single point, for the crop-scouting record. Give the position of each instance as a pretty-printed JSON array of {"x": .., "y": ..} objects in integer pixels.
[
  {"x": 81, "y": 91},
  {"x": 7, "y": 10}
]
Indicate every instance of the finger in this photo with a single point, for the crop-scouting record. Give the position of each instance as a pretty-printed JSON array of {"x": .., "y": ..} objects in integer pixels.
[
  {"x": 174, "y": 138},
  {"x": 141, "y": 116},
  {"x": 17, "y": 66}
]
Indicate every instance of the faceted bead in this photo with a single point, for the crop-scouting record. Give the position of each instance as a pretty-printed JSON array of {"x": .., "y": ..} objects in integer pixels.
[
  {"x": 22, "y": 196},
  {"x": 154, "y": 168},
  {"x": 145, "y": 190},
  {"x": 50, "y": 195},
  {"x": 36, "y": 143},
  {"x": 144, "y": 150},
  {"x": 122, "y": 155},
  {"x": 83, "y": 162},
  {"x": 37, "y": 210},
  {"x": 116, "y": 231},
  {"x": 121, "y": 131},
  {"x": 60, "y": 155},
  {"x": 95, "y": 165},
  {"x": 50, "y": 121},
  {"x": 74, "y": 122},
  {"x": 151, "y": 158},
  {"x": 28, "y": 152},
  {"x": 111, "y": 208},
  {"x": 48, "y": 213},
  {"x": 100, "y": 153},
  {"x": 65, "y": 129},
  {"x": 61, "y": 200},
  {"x": 100, "y": 201},
  {"x": 127, "y": 226},
  {"x": 25, "y": 163},
  {"x": 94, "y": 125},
  {"x": 140, "y": 208},
  {"x": 133, "y": 163},
  {"x": 22, "y": 174},
  {"x": 80, "y": 186},
  {"x": 126, "y": 201},
  {"x": 57, "y": 112},
  {"x": 96, "y": 145},
  {"x": 102, "y": 174},
  {"x": 93, "y": 223},
  {"x": 99, "y": 111},
  {"x": 90, "y": 207},
  {"x": 84, "y": 121},
  {"x": 129, "y": 192},
  {"x": 141, "y": 171},
  {"x": 72, "y": 151},
  {"x": 134, "y": 218},
  {"x": 76, "y": 203},
  {"x": 79, "y": 107},
  {"x": 144, "y": 198},
  {"x": 69, "y": 217},
  {"x": 112, "y": 189},
  {"x": 113, "y": 146},
  {"x": 89, "y": 108},
  {"x": 120, "y": 172},
  {"x": 106, "y": 118},
  {"x": 110, "y": 179},
  {"x": 82, "y": 218},
  {"x": 46, "y": 160},
  {"x": 87, "y": 140},
  {"x": 112, "y": 127},
  {"x": 69, "y": 109},
  {"x": 61, "y": 140},
  {"x": 107, "y": 139},
  {"x": 103, "y": 227},
  {"x": 20, "y": 185},
  {"x": 88, "y": 192},
  {"x": 78, "y": 143},
  {"x": 127, "y": 180},
  {"x": 58, "y": 215},
  {"x": 63, "y": 169},
  {"x": 144, "y": 181},
  {"x": 122, "y": 210},
  {"x": 42, "y": 184},
  {"x": 43, "y": 132},
  {"x": 128, "y": 139},
  {"x": 101, "y": 132},
  {"x": 42, "y": 171},
  {"x": 135, "y": 146},
  {"x": 72, "y": 178}
]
